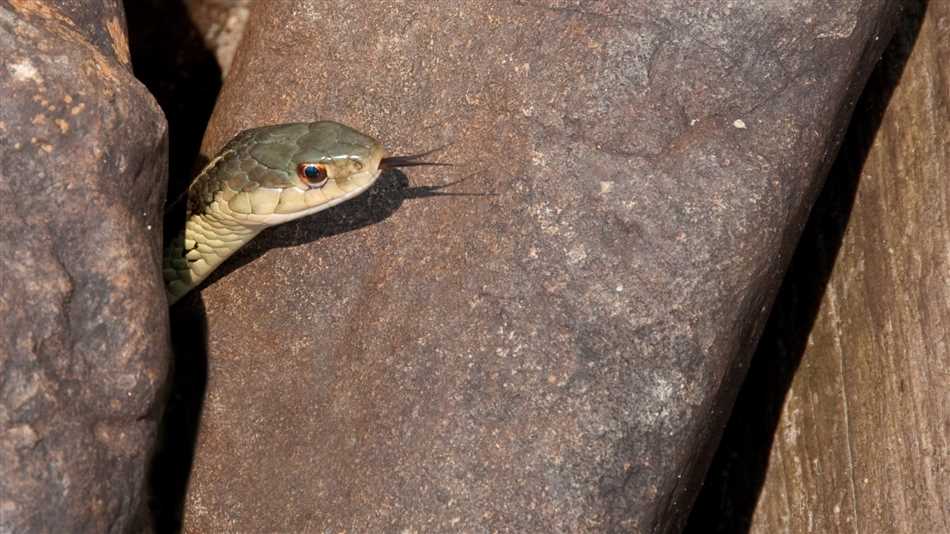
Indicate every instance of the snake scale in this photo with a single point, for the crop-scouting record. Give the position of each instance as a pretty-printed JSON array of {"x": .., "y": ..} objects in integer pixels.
[{"x": 264, "y": 177}]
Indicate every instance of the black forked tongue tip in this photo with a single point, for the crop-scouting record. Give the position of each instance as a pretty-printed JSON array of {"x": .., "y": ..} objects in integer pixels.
[
  {"x": 413, "y": 160},
  {"x": 407, "y": 161}
]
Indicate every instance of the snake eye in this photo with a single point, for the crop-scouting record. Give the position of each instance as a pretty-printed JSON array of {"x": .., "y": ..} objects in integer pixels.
[{"x": 314, "y": 174}]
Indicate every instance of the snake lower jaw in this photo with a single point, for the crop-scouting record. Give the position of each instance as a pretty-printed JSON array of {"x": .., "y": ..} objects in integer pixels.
[
  {"x": 211, "y": 237},
  {"x": 354, "y": 186}
]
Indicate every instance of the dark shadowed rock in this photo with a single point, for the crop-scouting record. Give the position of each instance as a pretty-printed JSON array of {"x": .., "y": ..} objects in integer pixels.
[
  {"x": 850, "y": 384},
  {"x": 171, "y": 59},
  {"x": 83, "y": 326},
  {"x": 559, "y": 354}
]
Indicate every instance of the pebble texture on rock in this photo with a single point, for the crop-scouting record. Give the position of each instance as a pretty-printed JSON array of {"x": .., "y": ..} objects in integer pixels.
[
  {"x": 83, "y": 320},
  {"x": 862, "y": 432},
  {"x": 560, "y": 354}
]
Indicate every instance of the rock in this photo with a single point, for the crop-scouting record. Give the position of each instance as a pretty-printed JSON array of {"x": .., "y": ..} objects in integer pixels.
[
  {"x": 560, "y": 353},
  {"x": 858, "y": 404},
  {"x": 83, "y": 327},
  {"x": 222, "y": 25}
]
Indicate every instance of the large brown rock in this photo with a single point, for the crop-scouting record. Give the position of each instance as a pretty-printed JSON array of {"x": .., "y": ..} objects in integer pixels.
[
  {"x": 83, "y": 324},
  {"x": 862, "y": 429},
  {"x": 560, "y": 354}
]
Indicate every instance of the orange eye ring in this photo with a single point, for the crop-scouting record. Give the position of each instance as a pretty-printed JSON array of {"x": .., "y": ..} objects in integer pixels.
[{"x": 312, "y": 174}]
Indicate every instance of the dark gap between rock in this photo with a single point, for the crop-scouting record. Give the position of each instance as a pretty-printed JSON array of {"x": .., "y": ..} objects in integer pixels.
[
  {"x": 736, "y": 476},
  {"x": 171, "y": 59}
]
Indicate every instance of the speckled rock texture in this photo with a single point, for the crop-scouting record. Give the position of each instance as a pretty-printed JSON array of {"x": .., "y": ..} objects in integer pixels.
[
  {"x": 83, "y": 324},
  {"x": 560, "y": 353},
  {"x": 850, "y": 384},
  {"x": 222, "y": 25}
]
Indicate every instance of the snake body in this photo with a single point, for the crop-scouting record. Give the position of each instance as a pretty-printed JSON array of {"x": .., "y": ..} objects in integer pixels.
[{"x": 264, "y": 177}]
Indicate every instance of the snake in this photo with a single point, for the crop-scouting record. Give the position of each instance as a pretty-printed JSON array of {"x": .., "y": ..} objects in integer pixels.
[{"x": 264, "y": 177}]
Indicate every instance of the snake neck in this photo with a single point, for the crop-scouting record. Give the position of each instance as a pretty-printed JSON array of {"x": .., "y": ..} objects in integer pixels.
[{"x": 206, "y": 240}]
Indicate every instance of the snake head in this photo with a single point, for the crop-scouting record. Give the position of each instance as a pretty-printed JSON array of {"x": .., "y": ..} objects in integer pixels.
[
  {"x": 273, "y": 174},
  {"x": 264, "y": 177}
]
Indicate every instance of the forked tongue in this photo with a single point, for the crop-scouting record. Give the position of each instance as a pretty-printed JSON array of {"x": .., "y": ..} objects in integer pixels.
[{"x": 413, "y": 160}]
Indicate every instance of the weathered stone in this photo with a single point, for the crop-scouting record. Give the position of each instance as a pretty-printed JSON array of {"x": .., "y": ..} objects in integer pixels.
[
  {"x": 83, "y": 326},
  {"x": 858, "y": 405},
  {"x": 560, "y": 354},
  {"x": 222, "y": 25}
]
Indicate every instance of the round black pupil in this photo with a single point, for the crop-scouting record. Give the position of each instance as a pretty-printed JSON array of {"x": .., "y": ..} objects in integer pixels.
[{"x": 311, "y": 171}]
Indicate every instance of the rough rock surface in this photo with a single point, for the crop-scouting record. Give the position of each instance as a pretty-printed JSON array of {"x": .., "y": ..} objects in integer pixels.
[
  {"x": 222, "y": 25},
  {"x": 861, "y": 441},
  {"x": 560, "y": 354},
  {"x": 83, "y": 327}
]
